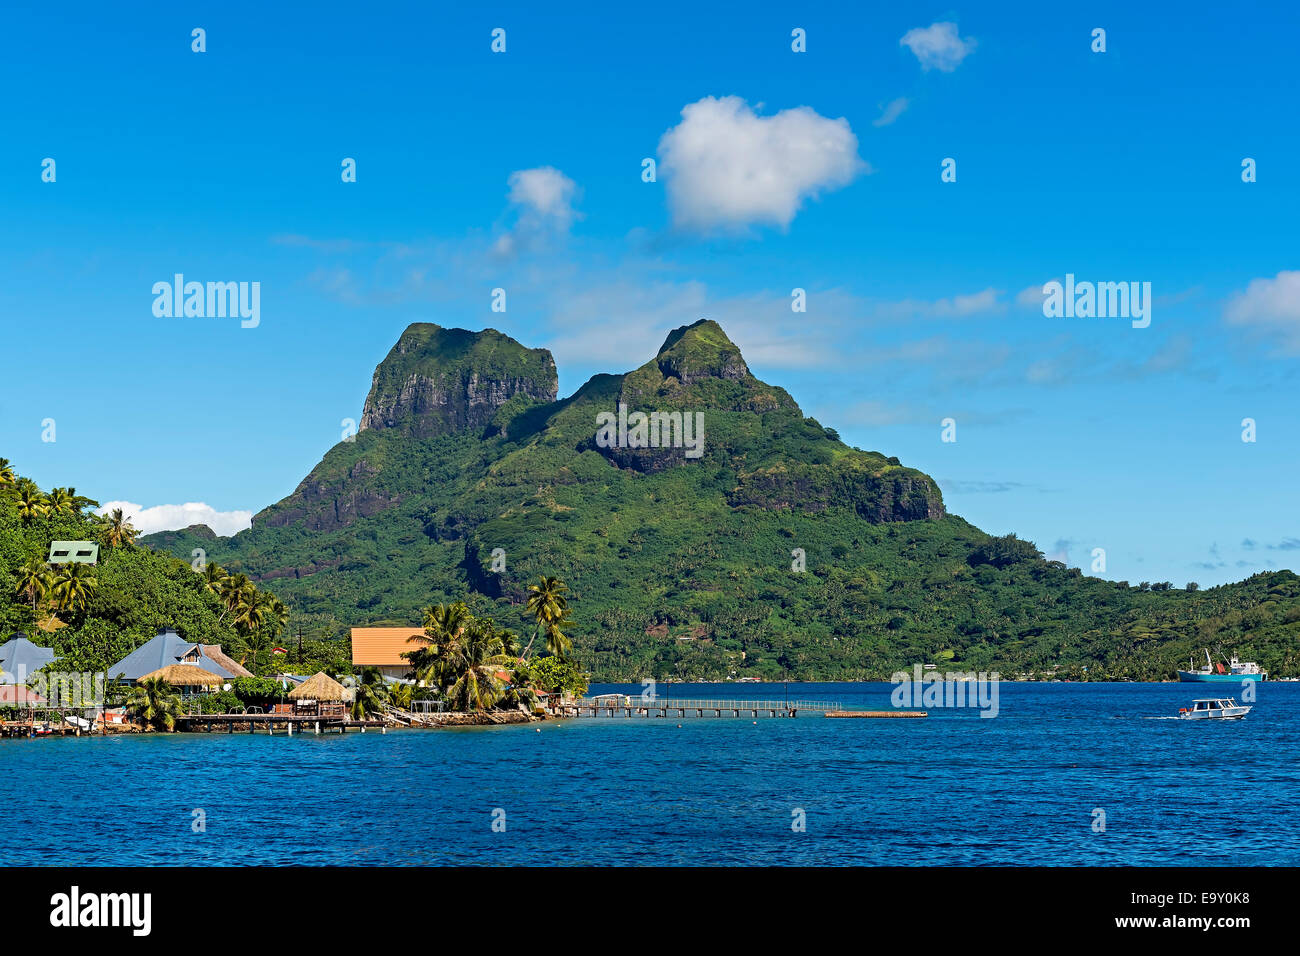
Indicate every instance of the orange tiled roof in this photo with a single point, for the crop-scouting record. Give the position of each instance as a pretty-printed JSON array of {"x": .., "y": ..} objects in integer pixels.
[{"x": 383, "y": 646}]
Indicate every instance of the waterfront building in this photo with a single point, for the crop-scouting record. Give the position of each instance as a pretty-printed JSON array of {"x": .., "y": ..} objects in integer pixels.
[{"x": 383, "y": 647}]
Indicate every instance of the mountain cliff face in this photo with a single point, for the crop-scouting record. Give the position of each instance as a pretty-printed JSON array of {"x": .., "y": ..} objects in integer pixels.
[
  {"x": 758, "y": 544},
  {"x": 436, "y": 381},
  {"x": 465, "y": 450}
]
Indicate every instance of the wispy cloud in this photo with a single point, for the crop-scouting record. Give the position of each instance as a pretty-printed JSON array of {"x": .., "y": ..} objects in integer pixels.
[
  {"x": 1060, "y": 551},
  {"x": 986, "y": 301},
  {"x": 1271, "y": 307},
  {"x": 318, "y": 245},
  {"x": 891, "y": 111},
  {"x": 938, "y": 46},
  {"x": 957, "y": 487},
  {"x": 542, "y": 201}
]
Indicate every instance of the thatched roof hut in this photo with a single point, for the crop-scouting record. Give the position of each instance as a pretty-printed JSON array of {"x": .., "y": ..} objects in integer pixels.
[
  {"x": 214, "y": 653},
  {"x": 320, "y": 686},
  {"x": 184, "y": 675}
]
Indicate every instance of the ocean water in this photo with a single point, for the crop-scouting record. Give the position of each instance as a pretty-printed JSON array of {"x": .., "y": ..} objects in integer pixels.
[{"x": 954, "y": 788}]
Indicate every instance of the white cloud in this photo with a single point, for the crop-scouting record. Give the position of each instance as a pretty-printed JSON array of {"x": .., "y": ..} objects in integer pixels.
[
  {"x": 546, "y": 193},
  {"x": 543, "y": 200},
  {"x": 173, "y": 517},
  {"x": 954, "y": 307},
  {"x": 1031, "y": 297},
  {"x": 726, "y": 167},
  {"x": 891, "y": 111},
  {"x": 875, "y": 414},
  {"x": 1272, "y": 305},
  {"x": 938, "y": 47}
]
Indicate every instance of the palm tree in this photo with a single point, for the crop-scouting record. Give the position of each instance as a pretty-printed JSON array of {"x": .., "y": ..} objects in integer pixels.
[
  {"x": 482, "y": 658},
  {"x": 437, "y": 661},
  {"x": 236, "y": 592},
  {"x": 73, "y": 586},
  {"x": 253, "y": 643},
  {"x": 548, "y": 605},
  {"x": 213, "y": 575},
  {"x": 557, "y": 642},
  {"x": 31, "y": 503},
  {"x": 118, "y": 530},
  {"x": 61, "y": 502},
  {"x": 425, "y": 663},
  {"x": 80, "y": 502},
  {"x": 446, "y": 620},
  {"x": 509, "y": 642},
  {"x": 250, "y": 614},
  {"x": 274, "y": 611},
  {"x": 369, "y": 694},
  {"x": 521, "y": 694},
  {"x": 400, "y": 695},
  {"x": 155, "y": 702},
  {"x": 34, "y": 581},
  {"x": 6, "y": 472}
]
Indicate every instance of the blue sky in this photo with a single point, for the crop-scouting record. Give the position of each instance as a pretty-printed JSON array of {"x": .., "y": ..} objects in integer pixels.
[{"x": 522, "y": 170}]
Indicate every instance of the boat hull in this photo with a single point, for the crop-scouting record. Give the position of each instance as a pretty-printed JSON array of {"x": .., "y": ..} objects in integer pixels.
[
  {"x": 1194, "y": 677},
  {"x": 1227, "y": 713}
]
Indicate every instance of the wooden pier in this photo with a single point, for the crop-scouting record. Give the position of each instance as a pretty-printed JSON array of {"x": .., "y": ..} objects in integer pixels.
[
  {"x": 621, "y": 706},
  {"x": 23, "y": 728},
  {"x": 290, "y": 724}
]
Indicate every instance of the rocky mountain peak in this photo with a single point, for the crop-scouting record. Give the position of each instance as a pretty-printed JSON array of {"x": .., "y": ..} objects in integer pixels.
[
  {"x": 693, "y": 353},
  {"x": 436, "y": 381}
]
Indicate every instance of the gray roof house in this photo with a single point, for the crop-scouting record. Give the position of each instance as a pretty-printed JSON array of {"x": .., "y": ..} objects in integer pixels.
[
  {"x": 164, "y": 650},
  {"x": 19, "y": 658}
]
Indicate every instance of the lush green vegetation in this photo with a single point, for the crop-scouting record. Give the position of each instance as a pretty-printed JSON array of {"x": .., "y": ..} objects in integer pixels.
[
  {"x": 155, "y": 703},
  {"x": 688, "y": 568},
  {"x": 93, "y": 616},
  {"x": 475, "y": 665}
]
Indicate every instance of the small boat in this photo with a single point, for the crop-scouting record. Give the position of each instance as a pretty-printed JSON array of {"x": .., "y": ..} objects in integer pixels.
[
  {"x": 81, "y": 723},
  {"x": 1236, "y": 672},
  {"x": 1214, "y": 708}
]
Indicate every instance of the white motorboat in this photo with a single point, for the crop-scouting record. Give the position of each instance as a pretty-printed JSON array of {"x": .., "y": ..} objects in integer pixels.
[{"x": 1214, "y": 708}]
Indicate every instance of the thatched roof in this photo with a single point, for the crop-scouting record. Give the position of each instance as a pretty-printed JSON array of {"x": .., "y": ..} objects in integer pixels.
[
  {"x": 184, "y": 675},
  {"x": 320, "y": 686},
  {"x": 214, "y": 653}
]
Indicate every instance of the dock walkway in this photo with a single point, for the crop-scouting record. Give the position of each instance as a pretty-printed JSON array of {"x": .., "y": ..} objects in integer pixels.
[
  {"x": 290, "y": 723},
  {"x": 619, "y": 706}
]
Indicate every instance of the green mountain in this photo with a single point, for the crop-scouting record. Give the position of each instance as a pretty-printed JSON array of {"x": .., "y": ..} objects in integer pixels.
[{"x": 683, "y": 554}]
